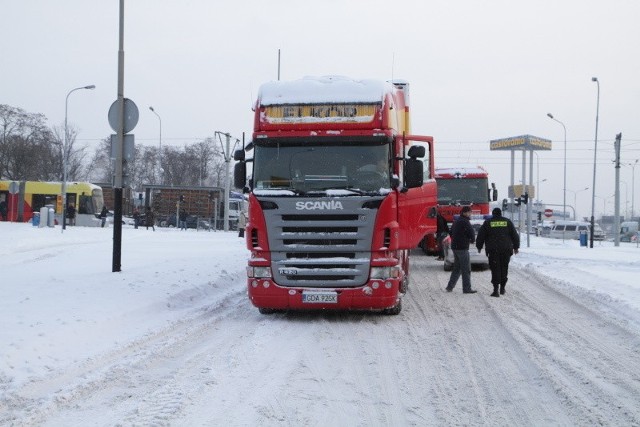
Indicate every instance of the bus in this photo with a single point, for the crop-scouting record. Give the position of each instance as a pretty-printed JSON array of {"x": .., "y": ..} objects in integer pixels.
[{"x": 23, "y": 198}]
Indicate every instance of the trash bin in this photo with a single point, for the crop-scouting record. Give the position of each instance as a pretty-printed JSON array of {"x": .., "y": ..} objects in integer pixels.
[
  {"x": 583, "y": 238},
  {"x": 51, "y": 217},
  {"x": 44, "y": 217},
  {"x": 35, "y": 219}
]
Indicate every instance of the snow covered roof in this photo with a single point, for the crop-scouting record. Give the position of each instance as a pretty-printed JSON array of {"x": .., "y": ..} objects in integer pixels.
[
  {"x": 463, "y": 170},
  {"x": 324, "y": 89}
]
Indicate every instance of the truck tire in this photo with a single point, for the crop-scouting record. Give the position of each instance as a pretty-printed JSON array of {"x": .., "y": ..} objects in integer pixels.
[
  {"x": 395, "y": 310},
  {"x": 404, "y": 286},
  {"x": 264, "y": 310}
]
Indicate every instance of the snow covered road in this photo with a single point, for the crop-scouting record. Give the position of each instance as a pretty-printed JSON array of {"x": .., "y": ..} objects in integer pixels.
[{"x": 547, "y": 353}]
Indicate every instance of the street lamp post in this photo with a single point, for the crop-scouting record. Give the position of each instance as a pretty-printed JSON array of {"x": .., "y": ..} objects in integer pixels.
[
  {"x": 159, "y": 146},
  {"x": 575, "y": 200},
  {"x": 626, "y": 199},
  {"x": 595, "y": 153},
  {"x": 65, "y": 156},
  {"x": 633, "y": 185},
  {"x": 564, "y": 183}
]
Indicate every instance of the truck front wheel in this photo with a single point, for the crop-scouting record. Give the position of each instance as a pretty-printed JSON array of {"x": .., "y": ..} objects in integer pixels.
[{"x": 395, "y": 310}]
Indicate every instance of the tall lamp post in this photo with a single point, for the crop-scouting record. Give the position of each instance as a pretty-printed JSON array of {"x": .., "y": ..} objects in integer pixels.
[
  {"x": 564, "y": 183},
  {"x": 159, "y": 146},
  {"x": 633, "y": 185},
  {"x": 575, "y": 200},
  {"x": 65, "y": 156},
  {"x": 595, "y": 153},
  {"x": 626, "y": 199}
]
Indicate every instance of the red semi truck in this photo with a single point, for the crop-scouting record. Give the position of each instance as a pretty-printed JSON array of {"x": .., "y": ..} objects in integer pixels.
[
  {"x": 339, "y": 193},
  {"x": 458, "y": 187}
]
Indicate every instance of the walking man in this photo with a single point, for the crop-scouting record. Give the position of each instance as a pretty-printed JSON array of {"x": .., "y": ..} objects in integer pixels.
[
  {"x": 462, "y": 235},
  {"x": 136, "y": 218},
  {"x": 71, "y": 214},
  {"x": 150, "y": 218},
  {"x": 183, "y": 219},
  {"x": 441, "y": 233},
  {"x": 502, "y": 241},
  {"x": 103, "y": 216}
]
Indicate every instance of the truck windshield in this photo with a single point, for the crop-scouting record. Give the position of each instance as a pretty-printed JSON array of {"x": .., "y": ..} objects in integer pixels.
[
  {"x": 303, "y": 169},
  {"x": 463, "y": 191}
]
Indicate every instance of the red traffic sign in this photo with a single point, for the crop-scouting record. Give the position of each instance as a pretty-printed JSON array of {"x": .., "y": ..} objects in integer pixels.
[{"x": 548, "y": 213}]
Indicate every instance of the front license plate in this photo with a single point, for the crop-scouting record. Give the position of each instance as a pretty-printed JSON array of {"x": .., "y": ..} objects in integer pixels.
[{"x": 319, "y": 297}]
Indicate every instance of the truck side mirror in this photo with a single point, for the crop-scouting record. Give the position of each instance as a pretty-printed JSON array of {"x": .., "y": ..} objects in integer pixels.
[
  {"x": 240, "y": 174},
  {"x": 238, "y": 155},
  {"x": 417, "y": 151},
  {"x": 414, "y": 173}
]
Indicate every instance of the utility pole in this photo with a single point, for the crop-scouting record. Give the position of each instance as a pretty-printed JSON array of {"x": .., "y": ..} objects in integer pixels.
[
  {"x": 116, "y": 263},
  {"x": 227, "y": 185},
  {"x": 616, "y": 221}
]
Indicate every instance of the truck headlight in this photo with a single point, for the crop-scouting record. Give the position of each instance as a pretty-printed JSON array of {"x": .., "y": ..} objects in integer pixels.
[
  {"x": 384, "y": 272},
  {"x": 264, "y": 272}
]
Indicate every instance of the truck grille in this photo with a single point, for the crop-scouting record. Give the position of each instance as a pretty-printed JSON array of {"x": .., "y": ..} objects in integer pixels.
[{"x": 323, "y": 249}]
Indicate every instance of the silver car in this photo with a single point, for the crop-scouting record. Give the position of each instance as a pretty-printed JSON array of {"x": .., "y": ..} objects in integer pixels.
[{"x": 478, "y": 260}]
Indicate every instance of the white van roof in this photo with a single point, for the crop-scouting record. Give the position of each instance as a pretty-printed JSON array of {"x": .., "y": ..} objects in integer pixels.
[{"x": 566, "y": 222}]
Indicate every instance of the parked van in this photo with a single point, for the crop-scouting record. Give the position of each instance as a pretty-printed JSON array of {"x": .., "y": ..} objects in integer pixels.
[
  {"x": 572, "y": 230},
  {"x": 628, "y": 231}
]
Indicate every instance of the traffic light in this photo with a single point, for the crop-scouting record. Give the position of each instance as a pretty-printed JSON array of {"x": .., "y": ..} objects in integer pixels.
[
  {"x": 181, "y": 198},
  {"x": 525, "y": 198},
  {"x": 516, "y": 201},
  {"x": 539, "y": 215}
]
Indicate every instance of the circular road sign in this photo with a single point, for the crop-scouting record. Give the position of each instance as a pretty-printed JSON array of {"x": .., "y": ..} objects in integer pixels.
[
  {"x": 131, "y": 115},
  {"x": 548, "y": 213}
]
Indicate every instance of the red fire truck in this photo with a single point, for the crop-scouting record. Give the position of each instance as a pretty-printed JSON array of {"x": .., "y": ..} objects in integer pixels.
[
  {"x": 339, "y": 193},
  {"x": 458, "y": 187}
]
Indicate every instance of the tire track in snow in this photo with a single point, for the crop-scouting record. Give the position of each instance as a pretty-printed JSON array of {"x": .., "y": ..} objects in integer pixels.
[
  {"x": 118, "y": 373},
  {"x": 481, "y": 375},
  {"x": 592, "y": 361}
]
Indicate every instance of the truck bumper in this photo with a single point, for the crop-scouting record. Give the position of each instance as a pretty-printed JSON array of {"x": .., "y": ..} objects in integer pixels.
[{"x": 374, "y": 295}]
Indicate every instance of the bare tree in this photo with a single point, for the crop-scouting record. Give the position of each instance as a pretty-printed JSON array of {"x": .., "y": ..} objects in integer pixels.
[
  {"x": 100, "y": 165},
  {"x": 76, "y": 155},
  {"x": 27, "y": 145}
]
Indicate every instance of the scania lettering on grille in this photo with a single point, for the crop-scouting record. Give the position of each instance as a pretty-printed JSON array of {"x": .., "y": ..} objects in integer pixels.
[{"x": 319, "y": 205}]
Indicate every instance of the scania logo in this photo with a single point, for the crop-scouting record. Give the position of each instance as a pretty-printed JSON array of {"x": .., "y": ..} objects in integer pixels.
[{"x": 319, "y": 205}]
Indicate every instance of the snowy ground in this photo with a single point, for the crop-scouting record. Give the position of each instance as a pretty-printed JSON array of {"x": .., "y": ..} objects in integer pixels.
[{"x": 173, "y": 340}]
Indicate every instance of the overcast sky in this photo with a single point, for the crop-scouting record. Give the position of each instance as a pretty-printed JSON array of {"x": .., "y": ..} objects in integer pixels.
[{"x": 478, "y": 70}]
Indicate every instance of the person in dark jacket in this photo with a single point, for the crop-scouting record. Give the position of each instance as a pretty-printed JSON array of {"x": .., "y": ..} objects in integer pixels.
[
  {"x": 71, "y": 214},
  {"x": 502, "y": 240},
  {"x": 103, "y": 216},
  {"x": 462, "y": 235},
  {"x": 150, "y": 219},
  {"x": 3, "y": 210},
  {"x": 183, "y": 219},
  {"x": 441, "y": 233},
  {"x": 136, "y": 218}
]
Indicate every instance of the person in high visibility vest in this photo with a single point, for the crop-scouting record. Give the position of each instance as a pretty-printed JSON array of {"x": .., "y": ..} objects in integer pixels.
[{"x": 502, "y": 240}]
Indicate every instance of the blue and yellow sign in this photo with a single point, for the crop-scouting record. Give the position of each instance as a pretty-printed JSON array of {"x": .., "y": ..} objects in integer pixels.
[{"x": 523, "y": 142}]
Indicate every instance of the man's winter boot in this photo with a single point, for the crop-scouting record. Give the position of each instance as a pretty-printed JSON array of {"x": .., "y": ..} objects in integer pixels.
[
  {"x": 495, "y": 291},
  {"x": 502, "y": 289}
]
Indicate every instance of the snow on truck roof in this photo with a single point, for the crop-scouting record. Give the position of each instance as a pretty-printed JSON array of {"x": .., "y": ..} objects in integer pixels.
[
  {"x": 325, "y": 89},
  {"x": 462, "y": 170}
]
